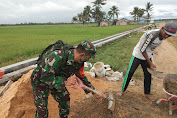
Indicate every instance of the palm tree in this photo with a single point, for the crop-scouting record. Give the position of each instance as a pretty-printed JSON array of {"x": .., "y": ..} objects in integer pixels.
[
  {"x": 80, "y": 17},
  {"x": 104, "y": 16},
  {"x": 98, "y": 3},
  {"x": 74, "y": 19},
  {"x": 97, "y": 14},
  {"x": 135, "y": 12},
  {"x": 114, "y": 11},
  {"x": 87, "y": 13},
  {"x": 110, "y": 15},
  {"x": 149, "y": 8},
  {"x": 140, "y": 13}
]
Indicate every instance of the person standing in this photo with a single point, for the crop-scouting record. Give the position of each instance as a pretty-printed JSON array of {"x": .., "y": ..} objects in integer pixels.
[
  {"x": 55, "y": 72},
  {"x": 142, "y": 55}
]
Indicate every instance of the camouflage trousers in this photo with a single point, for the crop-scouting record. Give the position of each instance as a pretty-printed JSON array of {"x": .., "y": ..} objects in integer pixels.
[{"x": 41, "y": 92}]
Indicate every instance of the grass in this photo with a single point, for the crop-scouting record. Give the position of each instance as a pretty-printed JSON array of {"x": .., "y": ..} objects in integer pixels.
[
  {"x": 19, "y": 43},
  {"x": 118, "y": 53}
]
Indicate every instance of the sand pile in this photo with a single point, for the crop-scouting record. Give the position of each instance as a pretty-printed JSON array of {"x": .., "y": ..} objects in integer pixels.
[{"x": 18, "y": 101}]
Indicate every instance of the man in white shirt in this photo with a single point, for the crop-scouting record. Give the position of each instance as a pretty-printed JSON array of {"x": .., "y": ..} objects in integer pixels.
[{"x": 142, "y": 54}]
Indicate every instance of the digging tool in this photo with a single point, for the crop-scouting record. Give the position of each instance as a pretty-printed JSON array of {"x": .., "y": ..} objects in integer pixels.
[
  {"x": 110, "y": 98},
  {"x": 156, "y": 73}
]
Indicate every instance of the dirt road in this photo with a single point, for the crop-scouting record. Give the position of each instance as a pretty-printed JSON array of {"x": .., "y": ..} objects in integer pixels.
[{"x": 17, "y": 102}]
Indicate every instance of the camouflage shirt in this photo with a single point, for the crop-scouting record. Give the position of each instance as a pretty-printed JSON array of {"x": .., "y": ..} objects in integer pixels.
[{"x": 57, "y": 67}]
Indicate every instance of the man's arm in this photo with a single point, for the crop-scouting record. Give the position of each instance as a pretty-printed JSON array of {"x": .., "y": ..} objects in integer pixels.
[
  {"x": 148, "y": 40},
  {"x": 148, "y": 60}
]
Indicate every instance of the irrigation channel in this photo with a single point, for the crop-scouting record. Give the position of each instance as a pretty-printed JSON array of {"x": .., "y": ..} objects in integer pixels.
[{"x": 14, "y": 71}]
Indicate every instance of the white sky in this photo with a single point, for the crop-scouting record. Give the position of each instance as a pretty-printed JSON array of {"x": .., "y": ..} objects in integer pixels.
[{"x": 43, "y": 11}]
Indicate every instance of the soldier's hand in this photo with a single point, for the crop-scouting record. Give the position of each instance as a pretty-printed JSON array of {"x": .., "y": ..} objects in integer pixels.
[{"x": 71, "y": 81}]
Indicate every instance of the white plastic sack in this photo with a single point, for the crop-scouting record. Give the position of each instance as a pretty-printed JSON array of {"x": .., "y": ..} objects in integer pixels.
[{"x": 115, "y": 76}]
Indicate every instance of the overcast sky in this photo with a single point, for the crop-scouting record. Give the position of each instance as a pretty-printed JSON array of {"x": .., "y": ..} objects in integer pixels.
[{"x": 43, "y": 11}]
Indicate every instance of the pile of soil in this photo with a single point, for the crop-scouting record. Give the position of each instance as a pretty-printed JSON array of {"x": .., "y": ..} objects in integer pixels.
[
  {"x": 18, "y": 99},
  {"x": 131, "y": 105},
  {"x": 170, "y": 83},
  {"x": 92, "y": 107}
]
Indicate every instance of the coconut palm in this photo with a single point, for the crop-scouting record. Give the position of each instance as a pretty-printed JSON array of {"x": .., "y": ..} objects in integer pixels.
[
  {"x": 80, "y": 17},
  {"x": 87, "y": 13},
  {"x": 97, "y": 14},
  {"x": 114, "y": 11},
  {"x": 74, "y": 19},
  {"x": 140, "y": 13},
  {"x": 134, "y": 13},
  {"x": 110, "y": 15},
  {"x": 149, "y": 8},
  {"x": 104, "y": 16},
  {"x": 98, "y": 3}
]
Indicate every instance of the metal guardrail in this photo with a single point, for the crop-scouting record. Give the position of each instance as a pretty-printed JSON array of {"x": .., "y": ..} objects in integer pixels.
[
  {"x": 19, "y": 65},
  {"x": 98, "y": 43},
  {"x": 103, "y": 41}
]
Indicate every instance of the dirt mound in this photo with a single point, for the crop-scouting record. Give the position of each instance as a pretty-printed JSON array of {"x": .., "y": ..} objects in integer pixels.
[
  {"x": 131, "y": 105},
  {"x": 18, "y": 100},
  {"x": 92, "y": 108}
]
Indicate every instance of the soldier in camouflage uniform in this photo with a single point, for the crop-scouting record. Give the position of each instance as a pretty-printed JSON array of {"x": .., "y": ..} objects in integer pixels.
[{"x": 55, "y": 72}]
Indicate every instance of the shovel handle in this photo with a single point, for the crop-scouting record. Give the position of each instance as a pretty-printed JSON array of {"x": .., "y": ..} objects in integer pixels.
[
  {"x": 81, "y": 85},
  {"x": 94, "y": 91}
]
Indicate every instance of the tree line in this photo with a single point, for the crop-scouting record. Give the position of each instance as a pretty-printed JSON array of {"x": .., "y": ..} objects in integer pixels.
[{"x": 95, "y": 12}]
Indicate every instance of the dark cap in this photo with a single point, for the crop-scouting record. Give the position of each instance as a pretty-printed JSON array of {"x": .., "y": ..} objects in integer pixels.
[
  {"x": 89, "y": 47},
  {"x": 170, "y": 28}
]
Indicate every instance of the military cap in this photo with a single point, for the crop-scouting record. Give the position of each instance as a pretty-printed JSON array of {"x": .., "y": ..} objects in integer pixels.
[{"x": 89, "y": 47}]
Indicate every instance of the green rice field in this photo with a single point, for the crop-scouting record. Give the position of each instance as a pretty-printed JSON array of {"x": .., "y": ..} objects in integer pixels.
[{"x": 23, "y": 42}]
